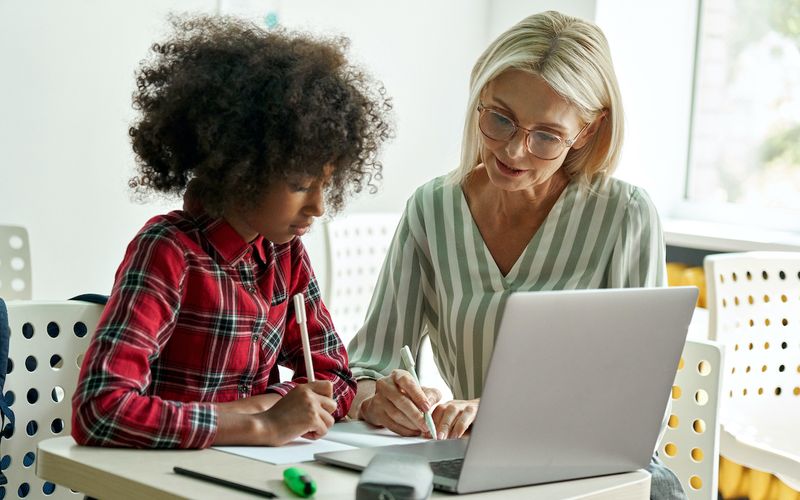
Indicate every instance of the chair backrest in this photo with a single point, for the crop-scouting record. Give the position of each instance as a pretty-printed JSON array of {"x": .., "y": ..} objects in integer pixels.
[
  {"x": 357, "y": 246},
  {"x": 754, "y": 311},
  {"x": 690, "y": 445},
  {"x": 48, "y": 340},
  {"x": 15, "y": 263}
]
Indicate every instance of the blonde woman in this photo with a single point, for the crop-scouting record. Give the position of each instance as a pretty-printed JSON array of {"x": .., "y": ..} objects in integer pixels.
[{"x": 532, "y": 206}]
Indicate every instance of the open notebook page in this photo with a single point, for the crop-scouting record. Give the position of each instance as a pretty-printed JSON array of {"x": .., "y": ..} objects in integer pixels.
[{"x": 342, "y": 436}]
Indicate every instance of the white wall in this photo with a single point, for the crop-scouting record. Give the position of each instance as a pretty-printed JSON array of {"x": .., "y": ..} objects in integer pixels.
[
  {"x": 65, "y": 90},
  {"x": 502, "y": 14},
  {"x": 67, "y": 77}
]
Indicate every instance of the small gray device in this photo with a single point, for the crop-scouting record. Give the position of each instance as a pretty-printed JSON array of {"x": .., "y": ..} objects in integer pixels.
[{"x": 395, "y": 477}]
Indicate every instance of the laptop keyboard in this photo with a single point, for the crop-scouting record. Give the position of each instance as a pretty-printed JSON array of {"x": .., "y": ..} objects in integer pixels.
[{"x": 448, "y": 468}]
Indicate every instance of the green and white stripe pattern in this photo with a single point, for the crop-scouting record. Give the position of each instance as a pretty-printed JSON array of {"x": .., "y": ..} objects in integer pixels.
[{"x": 439, "y": 278}]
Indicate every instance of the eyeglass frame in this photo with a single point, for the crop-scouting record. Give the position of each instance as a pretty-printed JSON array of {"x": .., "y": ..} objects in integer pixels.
[{"x": 565, "y": 144}]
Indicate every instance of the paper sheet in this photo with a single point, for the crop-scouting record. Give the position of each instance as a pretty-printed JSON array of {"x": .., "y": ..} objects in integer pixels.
[
  {"x": 342, "y": 436},
  {"x": 299, "y": 450},
  {"x": 362, "y": 435}
]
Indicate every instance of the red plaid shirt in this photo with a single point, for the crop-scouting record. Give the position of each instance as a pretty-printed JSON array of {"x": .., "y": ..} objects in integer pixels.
[{"x": 197, "y": 315}]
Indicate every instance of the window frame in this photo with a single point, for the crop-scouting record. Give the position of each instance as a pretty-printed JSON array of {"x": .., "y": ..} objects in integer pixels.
[{"x": 734, "y": 214}]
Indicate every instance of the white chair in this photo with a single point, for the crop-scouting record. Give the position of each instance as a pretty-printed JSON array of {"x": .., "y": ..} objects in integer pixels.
[
  {"x": 47, "y": 343},
  {"x": 754, "y": 303},
  {"x": 356, "y": 248},
  {"x": 690, "y": 445},
  {"x": 15, "y": 263},
  {"x": 357, "y": 245}
]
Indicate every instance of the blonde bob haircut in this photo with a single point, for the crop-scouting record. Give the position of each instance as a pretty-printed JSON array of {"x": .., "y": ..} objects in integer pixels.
[{"x": 573, "y": 57}]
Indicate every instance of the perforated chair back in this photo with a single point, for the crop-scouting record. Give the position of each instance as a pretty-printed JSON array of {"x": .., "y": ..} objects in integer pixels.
[
  {"x": 48, "y": 340},
  {"x": 754, "y": 311},
  {"x": 357, "y": 246},
  {"x": 15, "y": 263},
  {"x": 690, "y": 445}
]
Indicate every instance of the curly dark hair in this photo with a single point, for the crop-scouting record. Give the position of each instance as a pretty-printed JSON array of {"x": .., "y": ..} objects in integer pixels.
[{"x": 233, "y": 108}]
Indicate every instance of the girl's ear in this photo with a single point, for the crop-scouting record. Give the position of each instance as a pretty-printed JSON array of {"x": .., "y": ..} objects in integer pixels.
[{"x": 589, "y": 131}]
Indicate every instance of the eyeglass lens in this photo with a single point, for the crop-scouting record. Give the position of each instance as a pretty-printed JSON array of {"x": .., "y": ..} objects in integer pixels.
[{"x": 499, "y": 127}]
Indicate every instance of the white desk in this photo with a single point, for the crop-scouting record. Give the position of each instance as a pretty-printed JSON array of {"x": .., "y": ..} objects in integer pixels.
[{"x": 122, "y": 473}]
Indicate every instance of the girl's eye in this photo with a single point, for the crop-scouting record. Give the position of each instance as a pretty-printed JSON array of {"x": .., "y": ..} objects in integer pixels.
[{"x": 300, "y": 188}]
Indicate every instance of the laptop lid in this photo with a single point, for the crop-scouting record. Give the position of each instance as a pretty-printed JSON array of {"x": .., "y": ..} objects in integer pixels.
[{"x": 577, "y": 386}]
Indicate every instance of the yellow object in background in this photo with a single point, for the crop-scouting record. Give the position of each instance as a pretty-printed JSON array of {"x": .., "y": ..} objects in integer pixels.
[
  {"x": 736, "y": 481},
  {"x": 675, "y": 273},
  {"x": 679, "y": 274}
]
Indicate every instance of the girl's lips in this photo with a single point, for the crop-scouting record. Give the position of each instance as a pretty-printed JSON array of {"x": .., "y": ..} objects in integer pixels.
[
  {"x": 506, "y": 170},
  {"x": 300, "y": 230}
]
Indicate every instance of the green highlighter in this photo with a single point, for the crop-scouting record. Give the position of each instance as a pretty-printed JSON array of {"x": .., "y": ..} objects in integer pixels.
[{"x": 299, "y": 482}]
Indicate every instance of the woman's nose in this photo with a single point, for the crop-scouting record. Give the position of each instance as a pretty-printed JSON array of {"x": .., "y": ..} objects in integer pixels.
[{"x": 516, "y": 147}]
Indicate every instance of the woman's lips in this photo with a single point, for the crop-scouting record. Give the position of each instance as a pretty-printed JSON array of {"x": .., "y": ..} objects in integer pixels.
[{"x": 506, "y": 170}]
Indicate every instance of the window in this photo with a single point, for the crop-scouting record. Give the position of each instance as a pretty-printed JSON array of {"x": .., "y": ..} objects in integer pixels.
[{"x": 744, "y": 148}]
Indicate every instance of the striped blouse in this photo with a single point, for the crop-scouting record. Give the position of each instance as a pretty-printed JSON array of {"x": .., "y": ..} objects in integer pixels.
[{"x": 439, "y": 278}]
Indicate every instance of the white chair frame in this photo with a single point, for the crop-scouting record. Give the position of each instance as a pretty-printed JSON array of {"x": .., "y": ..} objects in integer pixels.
[
  {"x": 15, "y": 263},
  {"x": 754, "y": 302},
  {"x": 46, "y": 347}
]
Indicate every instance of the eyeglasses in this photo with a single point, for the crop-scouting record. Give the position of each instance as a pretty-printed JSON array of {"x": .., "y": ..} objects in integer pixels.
[{"x": 540, "y": 143}]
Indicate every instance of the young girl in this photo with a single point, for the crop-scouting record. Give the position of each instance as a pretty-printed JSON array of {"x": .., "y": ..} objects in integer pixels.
[{"x": 265, "y": 128}]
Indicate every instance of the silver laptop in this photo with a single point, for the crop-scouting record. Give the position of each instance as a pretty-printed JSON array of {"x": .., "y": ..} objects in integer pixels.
[{"x": 577, "y": 387}]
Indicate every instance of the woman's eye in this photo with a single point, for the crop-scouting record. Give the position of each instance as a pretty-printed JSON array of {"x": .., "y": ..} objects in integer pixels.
[
  {"x": 502, "y": 121},
  {"x": 545, "y": 137},
  {"x": 300, "y": 188}
]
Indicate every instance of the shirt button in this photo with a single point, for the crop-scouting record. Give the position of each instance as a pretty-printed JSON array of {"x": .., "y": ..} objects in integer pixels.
[
  {"x": 251, "y": 289},
  {"x": 255, "y": 337}
]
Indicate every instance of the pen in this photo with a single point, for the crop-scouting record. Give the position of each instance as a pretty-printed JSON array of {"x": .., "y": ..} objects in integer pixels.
[
  {"x": 224, "y": 482},
  {"x": 408, "y": 359},
  {"x": 299, "y": 482},
  {"x": 300, "y": 316}
]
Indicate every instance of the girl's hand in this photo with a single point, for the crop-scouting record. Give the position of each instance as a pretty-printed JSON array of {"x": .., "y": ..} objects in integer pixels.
[{"x": 304, "y": 411}]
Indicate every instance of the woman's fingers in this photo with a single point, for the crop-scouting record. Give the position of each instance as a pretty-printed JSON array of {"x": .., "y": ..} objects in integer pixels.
[
  {"x": 397, "y": 427},
  {"x": 463, "y": 421},
  {"x": 403, "y": 411},
  {"x": 408, "y": 386},
  {"x": 454, "y": 418},
  {"x": 444, "y": 417},
  {"x": 396, "y": 403},
  {"x": 433, "y": 394}
]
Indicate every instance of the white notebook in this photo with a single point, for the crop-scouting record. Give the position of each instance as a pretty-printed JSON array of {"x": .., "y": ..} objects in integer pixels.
[{"x": 342, "y": 436}]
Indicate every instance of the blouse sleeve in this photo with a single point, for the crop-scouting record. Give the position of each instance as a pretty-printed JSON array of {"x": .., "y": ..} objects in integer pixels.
[
  {"x": 402, "y": 303},
  {"x": 638, "y": 258}
]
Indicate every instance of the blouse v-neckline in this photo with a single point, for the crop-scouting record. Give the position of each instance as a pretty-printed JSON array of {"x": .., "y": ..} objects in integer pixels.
[{"x": 547, "y": 225}]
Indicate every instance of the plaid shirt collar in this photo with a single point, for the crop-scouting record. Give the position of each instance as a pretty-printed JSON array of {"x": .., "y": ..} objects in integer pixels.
[{"x": 230, "y": 245}]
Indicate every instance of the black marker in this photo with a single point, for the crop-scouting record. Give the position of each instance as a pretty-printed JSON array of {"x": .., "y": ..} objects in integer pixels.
[{"x": 224, "y": 482}]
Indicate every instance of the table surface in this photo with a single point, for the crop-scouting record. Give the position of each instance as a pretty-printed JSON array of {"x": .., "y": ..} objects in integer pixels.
[{"x": 125, "y": 473}]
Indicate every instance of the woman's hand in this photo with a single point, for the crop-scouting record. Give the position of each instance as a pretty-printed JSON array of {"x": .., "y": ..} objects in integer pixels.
[
  {"x": 453, "y": 418},
  {"x": 398, "y": 404},
  {"x": 304, "y": 411}
]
